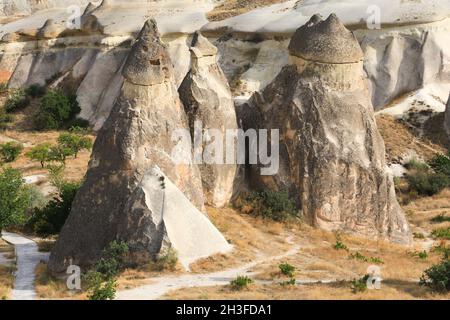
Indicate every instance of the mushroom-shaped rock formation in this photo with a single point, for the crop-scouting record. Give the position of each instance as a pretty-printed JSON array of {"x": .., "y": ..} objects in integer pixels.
[
  {"x": 326, "y": 41},
  {"x": 332, "y": 157},
  {"x": 207, "y": 99},
  {"x": 137, "y": 136}
]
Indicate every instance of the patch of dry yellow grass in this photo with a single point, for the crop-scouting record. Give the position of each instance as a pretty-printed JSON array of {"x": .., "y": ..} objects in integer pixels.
[
  {"x": 399, "y": 139},
  {"x": 232, "y": 8},
  {"x": 249, "y": 236},
  {"x": 49, "y": 287}
]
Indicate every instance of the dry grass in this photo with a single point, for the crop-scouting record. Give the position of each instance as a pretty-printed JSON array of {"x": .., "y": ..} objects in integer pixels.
[
  {"x": 49, "y": 287},
  {"x": 232, "y": 8},
  {"x": 250, "y": 237},
  {"x": 390, "y": 290},
  {"x": 45, "y": 245},
  {"x": 6, "y": 281},
  {"x": 399, "y": 139}
]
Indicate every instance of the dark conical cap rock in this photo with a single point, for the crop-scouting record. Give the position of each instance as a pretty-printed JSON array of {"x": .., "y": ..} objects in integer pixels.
[
  {"x": 325, "y": 41},
  {"x": 201, "y": 47},
  {"x": 148, "y": 62}
]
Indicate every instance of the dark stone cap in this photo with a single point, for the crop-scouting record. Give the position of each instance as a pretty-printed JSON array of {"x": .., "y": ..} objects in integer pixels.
[
  {"x": 148, "y": 62},
  {"x": 325, "y": 41}
]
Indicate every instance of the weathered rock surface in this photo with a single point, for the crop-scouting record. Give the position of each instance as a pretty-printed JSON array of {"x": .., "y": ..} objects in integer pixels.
[
  {"x": 332, "y": 158},
  {"x": 447, "y": 117},
  {"x": 207, "y": 99},
  {"x": 136, "y": 137},
  {"x": 161, "y": 212}
]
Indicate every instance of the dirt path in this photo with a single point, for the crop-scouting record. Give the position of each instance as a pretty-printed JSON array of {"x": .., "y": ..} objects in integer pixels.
[
  {"x": 27, "y": 258},
  {"x": 162, "y": 285}
]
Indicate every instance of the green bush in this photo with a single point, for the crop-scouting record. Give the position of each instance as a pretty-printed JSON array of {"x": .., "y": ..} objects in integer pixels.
[
  {"x": 359, "y": 285},
  {"x": 339, "y": 245},
  {"x": 441, "y": 164},
  {"x": 440, "y": 219},
  {"x": 79, "y": 123},
  {"x": 268, "y": 204},
  {"x": 17, "y": 100},
  {"x": 3, "y": 87},
  {"x": 290, "y": 282},
  {"x": 35, "y": 91},
  {"x": 437, "y": 277},
  {"x": 416, "y": 165},
  {"x": 165, "y": 261},
  {"x": 14, "y": 198},
  {"x": 100, "y": 289},
  {"x": 59, "y": 153},
  {"x": 113, "y": 259},
  {"x": 40, "y": 153},
  {"x": 101, "y": 281},
  {"x": 428, "y": 183},
  {"x": 5, "y": 119},
  {"x": 10, "y": 151},
  {"x": 75, "y": 142},
  {"x": 240, "y": 282},
  {"x": 50, "y": 219},
  {"x": 287, "y": 269},
  {"x": 442, "y": 233},
  {"x": 55, "y": 110}
]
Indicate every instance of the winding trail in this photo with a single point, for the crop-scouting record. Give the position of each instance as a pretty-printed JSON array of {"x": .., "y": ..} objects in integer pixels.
[
  {"x": 162, "y": 285},
  {"x": 27, "y": 258}
]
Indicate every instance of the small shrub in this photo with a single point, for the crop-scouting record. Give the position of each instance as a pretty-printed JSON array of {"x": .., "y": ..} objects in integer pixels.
[
  {"x": 437, "y": 277},
  {"x": 100, "y": 288},
  {"x": 339, "y": 245},
  {"x": 358, "y": 256},
  {"x": 290, "y": 282},
  {"x": 3, "y": 87},
  {"x": 419, "y": 235},
  {"x": 55, "y": 110},
  {"x": 79, "y": 123},
  {"x": 113, "y": 259},
  {"x": 5, "y": 119},
  {"x": 240, "y": 282},
  {"x": 428, "y": 183},
  {"x": 442, "y": 233},
  {"x": 360, "y": 285},
  {"x": 165, "y": 261},
  {"x": 441, "y": 164},
  {"x": 10, "y": 151},
  {"x": 287, "y": 269},
  {"x": 35, "y": 91},
  {"x": 376, "y": 260},
  {"x": 268, "y": 204},
  {"x": 423, "y": 255},
  {"x": 17, "y": 100},
  {"x": 50, "y": 219},
  {"x": 60, "y": 153},
  {"x": 440, "y": 219},
  {"x": 442, "y": 249},
  {"x": 416, "y": 165}
]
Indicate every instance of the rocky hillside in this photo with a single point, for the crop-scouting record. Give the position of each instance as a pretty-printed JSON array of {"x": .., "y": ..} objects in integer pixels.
[{"x": 352, "y": 96}]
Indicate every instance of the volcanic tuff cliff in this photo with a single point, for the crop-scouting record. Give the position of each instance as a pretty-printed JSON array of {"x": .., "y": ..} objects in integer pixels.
[
  {"x": 409, "y": 51},
  {"x": 134, "y": 182},
  {"x": 332, "y": 155}
]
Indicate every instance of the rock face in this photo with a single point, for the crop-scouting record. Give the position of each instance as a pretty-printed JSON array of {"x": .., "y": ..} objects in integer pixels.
[
  {"x": 332, "y": 158},
  {"x": 207, "y": 99},
  {"x": 447, "y": 117},
  {"x": 114, "y": 201}
]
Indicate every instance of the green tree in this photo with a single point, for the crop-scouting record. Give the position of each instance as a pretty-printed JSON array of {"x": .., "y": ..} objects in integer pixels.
[
  {"x": 75, "y": 142},
  {"x": 55, "y": 110},
  {"x": 40, "y": 153},
  {"x": 14, "y": 198},
  {"x": 10, "y": 151},
  {"x": 59, "y": 153}
]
